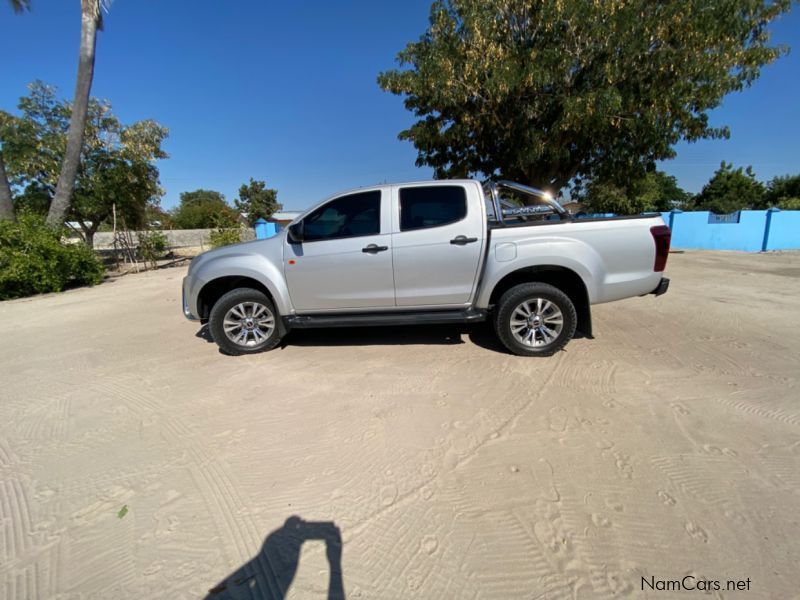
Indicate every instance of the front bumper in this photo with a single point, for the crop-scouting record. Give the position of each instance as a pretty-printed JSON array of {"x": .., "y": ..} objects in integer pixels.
[
  {"x": 662, "y": 287},
  {"x": 187, "y": 309}
]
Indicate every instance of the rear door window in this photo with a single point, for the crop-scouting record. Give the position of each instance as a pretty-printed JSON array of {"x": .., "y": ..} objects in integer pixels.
[{"x": 433, "y": 206}]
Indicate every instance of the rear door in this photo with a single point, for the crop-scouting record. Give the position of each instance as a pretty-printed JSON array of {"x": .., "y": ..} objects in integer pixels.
[
  {"x": 437, "y": 237},
  {"x": 345, "y": 260}
]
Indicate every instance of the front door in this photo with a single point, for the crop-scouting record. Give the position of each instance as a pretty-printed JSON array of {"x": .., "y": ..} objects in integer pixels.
[{"x": 345, "y": 259}]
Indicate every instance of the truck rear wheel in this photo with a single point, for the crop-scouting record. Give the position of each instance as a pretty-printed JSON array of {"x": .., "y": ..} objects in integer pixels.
[
  {"x": 535, "y": 319},
  {"x": 244, "y": 321}
]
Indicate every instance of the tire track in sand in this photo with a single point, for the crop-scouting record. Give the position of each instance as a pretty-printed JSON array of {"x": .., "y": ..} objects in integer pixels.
[
  {"x": 15, "y": 532},
  {"x": 500, "y": 425},
  {"x": 228, "y": 509}
]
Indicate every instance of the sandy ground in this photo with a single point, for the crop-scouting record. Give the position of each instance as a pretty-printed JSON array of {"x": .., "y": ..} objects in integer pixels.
[{"x": 667, "y": 446}]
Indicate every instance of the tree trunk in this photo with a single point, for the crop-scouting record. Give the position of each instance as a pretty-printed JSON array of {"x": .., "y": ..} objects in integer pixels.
[
  {"x": 89, "y": 237},
  {"x": 77, "y": 123},
  {"x": 6, "y": 204}
]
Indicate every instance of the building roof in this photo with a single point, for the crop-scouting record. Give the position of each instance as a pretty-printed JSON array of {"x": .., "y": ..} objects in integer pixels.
[{"x": 285, "y": 215}]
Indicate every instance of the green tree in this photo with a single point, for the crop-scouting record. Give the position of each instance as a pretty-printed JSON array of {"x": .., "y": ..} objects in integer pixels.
[
  {"x": 203, "y": 209},
  {"x": 117, "y": 165},
  {"x": 156, "y": 217},
  {"x": 656, "y": 191},
  {"x": 257, "y": 201},
  {"x": 789, "y": 204},
  {"x": 783, "y": 192},
  {"x": 607, "y": 197},
  {"x": 660, "y": 192},
  {"x": 547, "y": 92},
  {"x": 730, "y": 190}
]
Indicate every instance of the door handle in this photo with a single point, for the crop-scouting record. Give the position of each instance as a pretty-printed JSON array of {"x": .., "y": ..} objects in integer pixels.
[
  {"x": 462, "y": 240},
  {"x": 374, "y": 249}
]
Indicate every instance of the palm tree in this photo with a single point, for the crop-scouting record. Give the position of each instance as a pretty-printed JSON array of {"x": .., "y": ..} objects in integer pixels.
[
  {"x": 20, "y": 5},
  {"x": 6, "y": 204},
  {"x": 91, "y": 21}
]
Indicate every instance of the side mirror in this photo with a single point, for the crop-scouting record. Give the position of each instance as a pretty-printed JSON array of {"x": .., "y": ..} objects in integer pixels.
[{"x": 295, "y": 233}]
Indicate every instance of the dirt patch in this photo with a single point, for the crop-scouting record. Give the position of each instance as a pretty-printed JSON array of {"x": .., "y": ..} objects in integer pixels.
[{"x": 138, "y": 462}]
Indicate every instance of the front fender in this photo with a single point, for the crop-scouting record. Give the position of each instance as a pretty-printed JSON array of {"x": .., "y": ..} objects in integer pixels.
[{"x": 246, "y": 264}]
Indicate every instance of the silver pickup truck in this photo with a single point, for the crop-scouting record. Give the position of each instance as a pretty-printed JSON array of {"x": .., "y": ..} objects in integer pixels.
[{"x": 454, "y": 251}]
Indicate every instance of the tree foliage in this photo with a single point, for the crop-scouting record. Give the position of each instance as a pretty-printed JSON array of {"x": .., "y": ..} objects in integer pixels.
[
  {"x": 203, "y": 209},
  {"x": 784, "y": 192},
  {"x": 223, "y": 236},
  {"x": 730, "y": 190},
  {"x": 656, "y": 191},
  {"x": 152, "y": 245},
  {"x": 546, "y": 92},
  {"x": 117, "y": 164},
  {"x": 257, "y": 201}
]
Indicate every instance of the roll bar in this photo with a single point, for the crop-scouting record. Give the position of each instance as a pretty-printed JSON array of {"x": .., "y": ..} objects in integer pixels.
[{"x": 543, "y": 196}]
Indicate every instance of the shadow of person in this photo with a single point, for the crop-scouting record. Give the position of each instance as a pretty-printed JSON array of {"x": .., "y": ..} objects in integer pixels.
[{"x": 269, "y": 574}]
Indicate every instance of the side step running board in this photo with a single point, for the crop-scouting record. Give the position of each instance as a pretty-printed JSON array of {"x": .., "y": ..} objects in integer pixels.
[{"x": 386, "y": 319}]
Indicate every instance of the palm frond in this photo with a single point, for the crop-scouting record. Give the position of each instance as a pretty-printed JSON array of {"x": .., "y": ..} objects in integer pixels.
[
  {"x": 19, "y": 6},
  {"x": 94, "y": 8}
]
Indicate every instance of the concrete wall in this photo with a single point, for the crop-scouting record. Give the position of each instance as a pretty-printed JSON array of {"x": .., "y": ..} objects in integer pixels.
[
  {"x": 784, "y": 230},
  {"x": 176, "y": 238},
  {"x": 756, "y": 230}
]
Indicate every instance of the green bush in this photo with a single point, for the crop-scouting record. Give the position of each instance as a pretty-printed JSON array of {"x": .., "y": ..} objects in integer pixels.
[
  {"x": 225, "y": 237},
  {"x": 789, "y": 204},
  {"x": 34, "y": 260},
  {"x": 152, "y": 245}
]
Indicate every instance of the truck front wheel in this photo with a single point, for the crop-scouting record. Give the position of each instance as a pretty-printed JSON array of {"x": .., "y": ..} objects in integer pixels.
[
  {"x": 244, "y": 321},
  {"x": 535, "y": 319}
]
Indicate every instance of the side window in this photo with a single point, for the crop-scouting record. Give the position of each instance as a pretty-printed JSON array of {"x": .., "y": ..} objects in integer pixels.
[
  {"x": 434, "y": 206},
  {"x": 349, "y": 216}
]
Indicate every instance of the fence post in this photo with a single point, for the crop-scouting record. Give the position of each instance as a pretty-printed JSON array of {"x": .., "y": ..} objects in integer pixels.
[
  {"x": 767, "y": 225},
  {"x": 672, "y": 214}
]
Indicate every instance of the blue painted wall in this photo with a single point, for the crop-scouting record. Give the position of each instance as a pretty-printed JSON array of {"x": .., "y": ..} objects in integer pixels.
[
  {"x": 264, "y": 230},
  {"x": 692, "y": 230},
  {"x": 756, "y": 230},
  {"x": 784, "y": 230}
]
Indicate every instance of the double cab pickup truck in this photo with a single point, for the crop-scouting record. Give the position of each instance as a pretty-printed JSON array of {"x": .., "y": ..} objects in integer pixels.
[{"x": 449, "y": 251}]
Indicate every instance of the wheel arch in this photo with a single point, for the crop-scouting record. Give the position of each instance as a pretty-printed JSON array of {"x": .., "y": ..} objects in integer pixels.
[
  {"x": 565, "y": 279},
  {"x": 212, "y": 291}
]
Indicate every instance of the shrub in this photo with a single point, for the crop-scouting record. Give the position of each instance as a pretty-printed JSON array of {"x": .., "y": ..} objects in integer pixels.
[
  {"x": 789, "y": 204},
  {"x": 152, "y": 245},
  {"x": 225, "y": 237},
  {"x": 34, "y": 260}
]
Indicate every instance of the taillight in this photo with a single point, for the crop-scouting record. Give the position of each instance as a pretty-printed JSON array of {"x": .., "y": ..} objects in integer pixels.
[{"x": 661, "y": 237}]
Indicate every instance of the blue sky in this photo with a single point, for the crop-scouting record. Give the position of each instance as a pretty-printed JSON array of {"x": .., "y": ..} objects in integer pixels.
[{"x": 286, "y": 91}]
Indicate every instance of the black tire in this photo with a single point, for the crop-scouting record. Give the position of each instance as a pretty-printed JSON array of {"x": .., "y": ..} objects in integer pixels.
[
  {"x": 248, "y": 299},
  {"x": 527, "y": 292}
]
